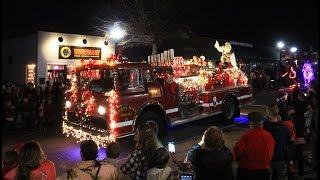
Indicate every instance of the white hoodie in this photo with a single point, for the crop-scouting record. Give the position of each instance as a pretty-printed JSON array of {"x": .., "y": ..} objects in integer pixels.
[{"x": 159, "y": 174}]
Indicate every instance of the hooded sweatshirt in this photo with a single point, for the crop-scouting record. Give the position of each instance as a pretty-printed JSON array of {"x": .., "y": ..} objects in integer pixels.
[{"x": 156, "y": 173}]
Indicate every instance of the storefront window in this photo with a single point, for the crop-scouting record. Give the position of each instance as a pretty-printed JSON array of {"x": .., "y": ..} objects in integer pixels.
[
  {"x": 30, "y": 73},
  {"x": 70, "y": 71},
  {"x": 56, "y": 71}
]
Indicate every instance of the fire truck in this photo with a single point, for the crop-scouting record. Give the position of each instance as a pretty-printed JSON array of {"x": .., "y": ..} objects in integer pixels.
[{"x": 109, "y": 100}]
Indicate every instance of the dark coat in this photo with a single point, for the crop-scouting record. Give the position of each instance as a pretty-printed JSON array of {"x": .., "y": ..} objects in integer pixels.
[
  {"x": 282, "y": 105},
  {"x": 300, "y": 108},
  {"x": 214, "y": 163},
  {"x": 281, "y": 135}
]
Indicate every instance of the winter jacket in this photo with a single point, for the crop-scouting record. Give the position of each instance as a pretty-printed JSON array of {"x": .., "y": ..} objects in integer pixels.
[
  {"x": 282, "y": 105},
  {"x": 211, "y": 163},
  {"x": 290, "y": 125},
  {"x": 254, "y": 150},
  {"x": 281, "y": 135},
  {"x": 315, "y": 123},
  {"x": 300, "y": 108},
  {"x": 159, "y": 174},
  {"x": 46, "y": 170},
  {"x": 86, "y": 170},
  {"x": 309, "y": 116}
]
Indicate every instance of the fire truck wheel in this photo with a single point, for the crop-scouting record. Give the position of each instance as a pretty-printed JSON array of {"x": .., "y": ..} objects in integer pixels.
[
  {"x": 154, "y": 121},
  {"x": 230, "y": 108}
]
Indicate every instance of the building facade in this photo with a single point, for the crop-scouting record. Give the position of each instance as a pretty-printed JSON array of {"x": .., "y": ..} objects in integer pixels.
[{"x": 44, "y": 56}]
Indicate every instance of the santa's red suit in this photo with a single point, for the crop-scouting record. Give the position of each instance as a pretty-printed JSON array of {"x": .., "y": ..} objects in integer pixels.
[{"x": 171, "y": 89}]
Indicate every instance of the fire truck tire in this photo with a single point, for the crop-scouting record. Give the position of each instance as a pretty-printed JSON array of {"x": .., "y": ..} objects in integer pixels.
[
  {"x": 154, "y": 121},
  {"x": 230, "y": 108}
]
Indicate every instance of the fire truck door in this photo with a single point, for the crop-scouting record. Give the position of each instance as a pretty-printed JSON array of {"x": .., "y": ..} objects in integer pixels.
[{"x": 132, "y": 89}]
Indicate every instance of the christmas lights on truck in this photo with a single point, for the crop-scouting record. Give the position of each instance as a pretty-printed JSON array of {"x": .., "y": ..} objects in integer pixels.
[{"x": 108, "y": 99}]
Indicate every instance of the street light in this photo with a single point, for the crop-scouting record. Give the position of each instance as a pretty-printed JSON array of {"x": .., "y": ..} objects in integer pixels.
[
  {"x": 293, "y": 49},
  {"x": 280, "y": 44},
  {"x": 116, "y": 33}
]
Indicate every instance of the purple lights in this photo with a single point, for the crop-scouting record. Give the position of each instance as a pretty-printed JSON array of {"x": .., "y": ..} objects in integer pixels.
[
  {"x": 242, "y": 119},
  {"x": 73, "y": 153},
  {"x": 307, "y": 71}
]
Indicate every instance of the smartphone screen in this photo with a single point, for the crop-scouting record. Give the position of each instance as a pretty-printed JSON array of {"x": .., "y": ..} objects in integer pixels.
[
  {"x": 171, "y": 147},
  {"x": 186, "y": 177}
]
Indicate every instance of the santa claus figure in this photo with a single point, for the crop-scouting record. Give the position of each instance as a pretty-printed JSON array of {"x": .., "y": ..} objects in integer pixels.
[
  {"x": 227, "y": 58},
  {"x": 170, "y": 85}
]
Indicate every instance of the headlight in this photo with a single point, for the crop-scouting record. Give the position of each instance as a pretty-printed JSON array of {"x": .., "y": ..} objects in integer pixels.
[
  {"x": 68, "y": 104},
  {"x": 101, "y": 110}
]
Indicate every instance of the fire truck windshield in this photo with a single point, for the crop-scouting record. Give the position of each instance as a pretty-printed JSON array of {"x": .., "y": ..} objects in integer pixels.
[{"x": 96, "y": 80}]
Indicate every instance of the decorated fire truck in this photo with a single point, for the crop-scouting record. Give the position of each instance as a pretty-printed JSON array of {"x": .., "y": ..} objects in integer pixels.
[{"x": 108, "y": 99}]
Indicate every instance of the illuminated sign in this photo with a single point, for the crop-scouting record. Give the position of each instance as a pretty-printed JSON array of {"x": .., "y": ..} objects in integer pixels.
[
  {"x": 78, "y": 52},
  {"x": 30, "y": 73}
]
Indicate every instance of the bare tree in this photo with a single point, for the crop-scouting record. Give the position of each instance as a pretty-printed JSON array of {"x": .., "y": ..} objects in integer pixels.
[{"x": 147, "y": 22}]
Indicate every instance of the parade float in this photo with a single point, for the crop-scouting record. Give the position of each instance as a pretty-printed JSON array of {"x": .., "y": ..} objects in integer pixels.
[{"x": 109, "y": 98}]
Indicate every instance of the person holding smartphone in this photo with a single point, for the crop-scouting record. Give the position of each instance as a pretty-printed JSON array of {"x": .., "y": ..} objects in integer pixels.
[{"x": 210, "y": 158}]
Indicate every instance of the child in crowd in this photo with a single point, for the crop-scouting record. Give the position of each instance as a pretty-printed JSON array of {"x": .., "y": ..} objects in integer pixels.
[
  {"x": 160, "y": 169},
  {"x": 10, "y": 161},
  {"x": 112, "y": 152}
]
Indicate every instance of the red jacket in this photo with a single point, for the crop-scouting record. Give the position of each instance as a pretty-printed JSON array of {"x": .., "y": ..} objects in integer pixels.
[
  {"x": 254, "y": 150},
  {"x": 46, "y": 171},
  {"x": 289, "y": 124}
]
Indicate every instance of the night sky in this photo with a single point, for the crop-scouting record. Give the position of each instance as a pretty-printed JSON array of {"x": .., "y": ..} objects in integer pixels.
[{"x": 295, "y": 22}]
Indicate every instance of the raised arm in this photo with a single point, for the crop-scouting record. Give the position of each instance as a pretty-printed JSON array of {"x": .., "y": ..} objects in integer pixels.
[{"x": 218, "y": 47}]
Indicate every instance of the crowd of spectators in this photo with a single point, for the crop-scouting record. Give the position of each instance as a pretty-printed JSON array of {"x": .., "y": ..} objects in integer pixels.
[
  {"x": 261, "y": 78},
  {"x": 27, "y": 106},
  {"x": 272, "y": 148}
]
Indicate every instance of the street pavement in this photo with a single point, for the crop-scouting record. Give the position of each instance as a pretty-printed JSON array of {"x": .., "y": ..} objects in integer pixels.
[{"x": 65, "y": 153}]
